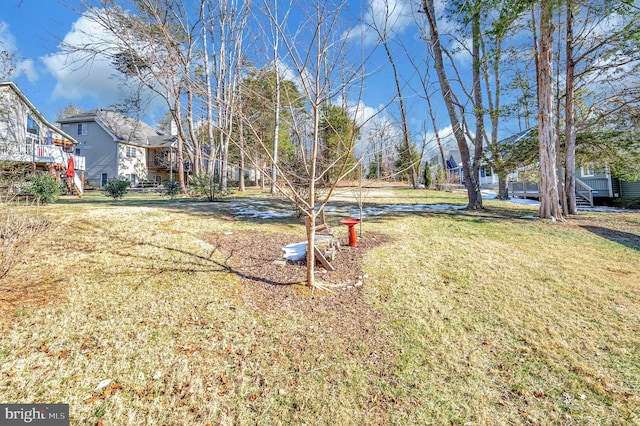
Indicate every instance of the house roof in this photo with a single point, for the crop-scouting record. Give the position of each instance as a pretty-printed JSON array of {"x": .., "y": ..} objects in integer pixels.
[
  {"x": 517, "y": 136},
  {"x": 123, "y": 129},
  {"x": 35, "y": 111}
]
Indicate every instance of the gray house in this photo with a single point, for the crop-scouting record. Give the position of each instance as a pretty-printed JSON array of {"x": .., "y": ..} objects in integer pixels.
[
  {"x": 594, "y": 185},
  {"x": 116, "y": 146},
  {"x": 27, "y": 137}
]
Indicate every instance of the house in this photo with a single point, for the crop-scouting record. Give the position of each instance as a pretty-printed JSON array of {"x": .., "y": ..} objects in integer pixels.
[
  {"x": 117, "y": 146},
  {"x": 598, "y": 186},
  {"x": 593, "y": 185},
  {"x": 453, "y": 161},
  {"x": 27, "y": 137}
]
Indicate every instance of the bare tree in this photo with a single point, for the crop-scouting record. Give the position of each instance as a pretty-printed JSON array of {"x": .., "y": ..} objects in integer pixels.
[
  {"x": 382, "y": 26},
  {"x": 314, "y": 52},
  {"x": 226, "y": 23},
  {"x": 595, "y": 53},
  {"x": 470, "y": 165},
  {"x": 152, "y": 42}
]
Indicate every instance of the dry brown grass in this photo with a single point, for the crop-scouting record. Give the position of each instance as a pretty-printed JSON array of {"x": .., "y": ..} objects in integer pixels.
[{"x": 478, "y": 318}]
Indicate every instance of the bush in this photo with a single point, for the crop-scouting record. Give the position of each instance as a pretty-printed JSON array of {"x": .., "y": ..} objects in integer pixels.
[
  {"x": 204, "y": 185},
  {"x": 630, "y": 203},
  {"x": 172, "y": 188},
  {"x": 441, "y": 178},
  {"x": 18, "y": 231},
  {"x": 116, "y": 188},
  {"x": 44, "y": 188},
  {"x": 12, "y": 180},
  {"x": 427, "y": 174}
]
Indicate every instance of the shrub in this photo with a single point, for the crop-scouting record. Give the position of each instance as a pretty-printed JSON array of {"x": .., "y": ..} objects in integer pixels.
[
  {"x": 427, "y": 174},
  {"x": 441, "y": 178},
  {"x": 630, "y": 203},
  {"x": 44, "y": 187},
  {"x": 18, "y": 231},
  {"x": 116, "y": 188},
  {"x": 172, "y": 188},
  {"x": 204, "y": 185},
  {"x": 12, "y": 180}
]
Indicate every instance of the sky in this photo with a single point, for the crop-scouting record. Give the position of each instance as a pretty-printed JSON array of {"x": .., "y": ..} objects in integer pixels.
[{"x": 34, "y": 29}]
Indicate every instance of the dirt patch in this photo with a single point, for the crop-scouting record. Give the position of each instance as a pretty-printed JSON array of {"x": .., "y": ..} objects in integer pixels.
[
  {"x": 278, "y": 287},
  {"x": 257, "y": 257},
  {"x": 21, "y": 294}
]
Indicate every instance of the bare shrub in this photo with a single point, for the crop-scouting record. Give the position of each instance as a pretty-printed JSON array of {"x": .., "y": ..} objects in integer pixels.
[{"x": 18, "y": 228}]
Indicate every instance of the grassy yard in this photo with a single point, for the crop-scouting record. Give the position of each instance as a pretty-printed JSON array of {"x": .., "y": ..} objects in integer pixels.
[{"x": 132, "y": 315}]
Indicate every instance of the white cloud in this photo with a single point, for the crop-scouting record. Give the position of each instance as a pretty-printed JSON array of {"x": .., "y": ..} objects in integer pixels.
[
  {"x": 79, "y": 76},
  {"x": 28, "y": 68},
  {"x": 24, "y": 67},
  {"x": 388, "y": 17},
  {"x": 7, "y": 40},
  {"x": 362, "y": 113}
]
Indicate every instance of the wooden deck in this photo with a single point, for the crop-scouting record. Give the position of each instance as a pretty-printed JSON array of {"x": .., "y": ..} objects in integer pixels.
[{"x": 524, "y": 190}]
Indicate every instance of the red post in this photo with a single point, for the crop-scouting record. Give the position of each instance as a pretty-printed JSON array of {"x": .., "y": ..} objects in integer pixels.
[{"x": 351, "y": 222}]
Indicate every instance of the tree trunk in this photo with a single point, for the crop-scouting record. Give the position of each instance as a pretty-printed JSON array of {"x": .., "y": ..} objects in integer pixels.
[
  {"x": 241, "y": 165},
  {"x": 503, "y": 186},
  {"x": 211, "y": 166},
  {"x": 276, "y": 124},
  {"x": 570, "y": 125},
  {"x": 403, "y": 118},
  {"x": 198, "y": 161},
  {"x": 549, "y": 199},
  {"x": 470, "y": 170},
  {"x": 479, "y": 111},
  {"x": 180, "y": 147}
]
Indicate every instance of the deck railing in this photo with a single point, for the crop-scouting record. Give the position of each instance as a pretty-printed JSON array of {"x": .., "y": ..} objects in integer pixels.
[
  {"x": 584, "y": 191},
  {"x": 28, "y": 153},
  {"x": 524, "y": 189}
]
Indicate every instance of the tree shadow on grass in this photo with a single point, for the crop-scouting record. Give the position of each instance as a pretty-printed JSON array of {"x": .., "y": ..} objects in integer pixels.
[
  {"x": 625, "y": 238},
  {"x": 194, "y": 263}
]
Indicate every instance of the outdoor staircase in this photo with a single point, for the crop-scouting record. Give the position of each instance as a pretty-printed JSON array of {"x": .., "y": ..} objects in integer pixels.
[
  {"x": 584, "y": 194},
  {"x": 62, "y": 158}
]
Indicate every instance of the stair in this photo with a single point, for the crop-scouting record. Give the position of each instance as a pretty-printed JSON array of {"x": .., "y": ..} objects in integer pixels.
[{"x": 582, "y": 202}]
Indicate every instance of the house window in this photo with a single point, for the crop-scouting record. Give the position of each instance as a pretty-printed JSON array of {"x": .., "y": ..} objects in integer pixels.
[
  {"x": 77, "y": 151},
  {"x": 103, "y": 179},
  {"x": 130, "y": 152},
  {"x": 133, "y": 179},
  {"x": 32, "y": 125},
  {"x": 82, "y": 128},
  {"x": 587, "y": 170}
]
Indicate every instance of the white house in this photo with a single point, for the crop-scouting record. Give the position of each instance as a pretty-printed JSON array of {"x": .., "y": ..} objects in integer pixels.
[{"x": 27, "y": 137}]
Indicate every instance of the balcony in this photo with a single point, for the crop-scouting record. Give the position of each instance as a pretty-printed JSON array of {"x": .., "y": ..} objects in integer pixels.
[{"x": 34, "y": 153}]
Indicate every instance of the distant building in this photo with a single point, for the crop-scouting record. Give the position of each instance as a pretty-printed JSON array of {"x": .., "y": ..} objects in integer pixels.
[{"x": 117, "y": 146}]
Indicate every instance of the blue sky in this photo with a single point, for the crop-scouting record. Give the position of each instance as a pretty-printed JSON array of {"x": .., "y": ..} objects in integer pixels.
[{"x": 33, "y": 30}]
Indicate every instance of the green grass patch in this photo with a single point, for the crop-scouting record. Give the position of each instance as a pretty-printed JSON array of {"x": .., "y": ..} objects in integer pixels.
[{"x": 463, "y": 318}]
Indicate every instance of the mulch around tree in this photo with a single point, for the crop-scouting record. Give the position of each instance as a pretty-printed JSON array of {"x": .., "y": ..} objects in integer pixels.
[{"x": 270, "y": 283}]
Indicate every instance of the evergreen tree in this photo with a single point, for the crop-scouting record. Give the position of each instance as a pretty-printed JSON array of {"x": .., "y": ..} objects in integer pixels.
[{"x": 338, "y": 133}]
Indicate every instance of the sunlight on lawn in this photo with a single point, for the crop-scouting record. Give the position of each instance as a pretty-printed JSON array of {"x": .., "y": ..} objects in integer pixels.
[{"x": 465, "y": 317}]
